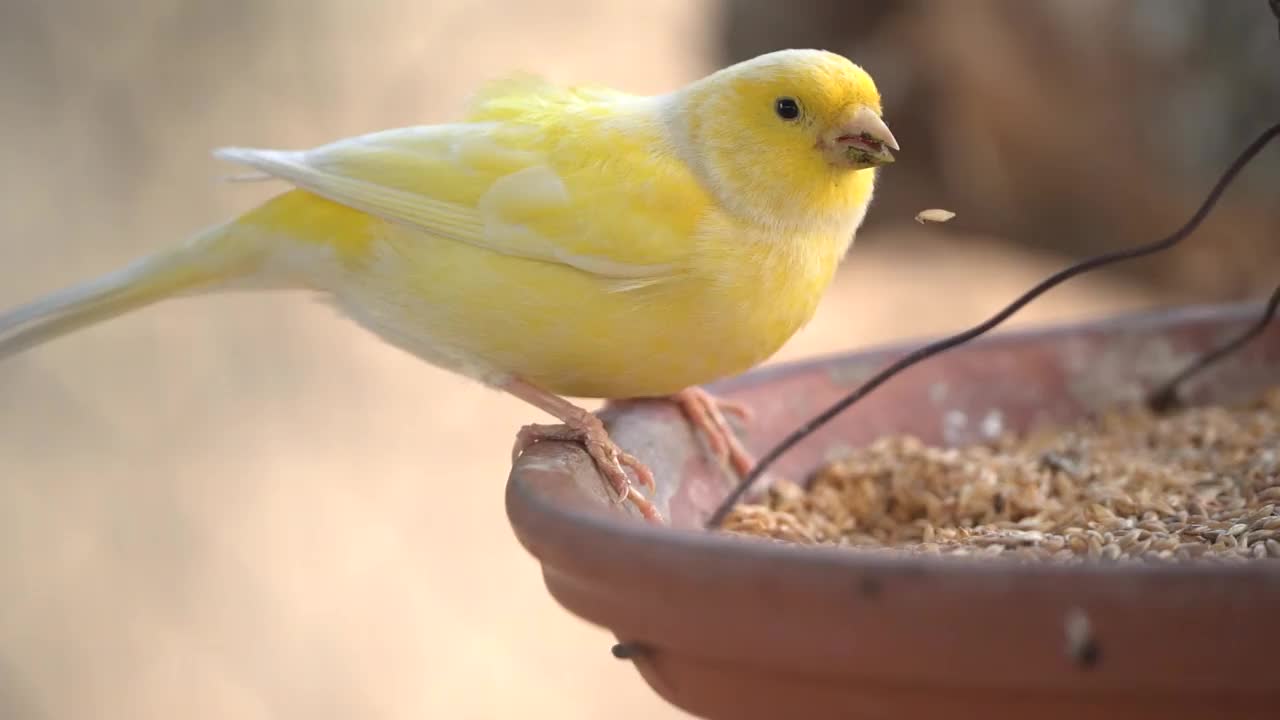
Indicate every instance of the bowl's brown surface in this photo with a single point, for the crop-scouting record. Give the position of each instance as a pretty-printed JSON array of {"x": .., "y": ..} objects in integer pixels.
[{"x": 734, "y": 628}]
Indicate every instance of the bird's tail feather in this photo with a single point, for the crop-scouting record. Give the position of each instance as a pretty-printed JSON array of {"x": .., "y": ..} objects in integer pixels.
[{"x": 206, "y": 262}]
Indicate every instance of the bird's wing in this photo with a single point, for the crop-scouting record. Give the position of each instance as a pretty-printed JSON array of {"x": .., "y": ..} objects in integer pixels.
[{"x": 508, "y": 187}]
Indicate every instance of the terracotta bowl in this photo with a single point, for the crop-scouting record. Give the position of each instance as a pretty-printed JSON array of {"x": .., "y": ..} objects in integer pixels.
[{"x": 725, "y": 627}]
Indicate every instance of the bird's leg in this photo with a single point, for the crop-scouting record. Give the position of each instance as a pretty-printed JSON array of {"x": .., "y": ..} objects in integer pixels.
[
  {"x": 584, "y": 427},
  {"x": 706, "y": 413}
]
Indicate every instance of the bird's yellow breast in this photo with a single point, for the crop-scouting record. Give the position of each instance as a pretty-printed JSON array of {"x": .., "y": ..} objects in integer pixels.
[{"x": 567, "y": 332}]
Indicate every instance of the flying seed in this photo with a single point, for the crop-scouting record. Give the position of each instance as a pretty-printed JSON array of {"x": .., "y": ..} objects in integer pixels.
[{"x": 934, "y": 215}]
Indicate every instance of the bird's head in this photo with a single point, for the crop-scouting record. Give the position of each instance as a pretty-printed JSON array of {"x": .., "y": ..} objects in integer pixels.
[{"x": 800, "y": 125}]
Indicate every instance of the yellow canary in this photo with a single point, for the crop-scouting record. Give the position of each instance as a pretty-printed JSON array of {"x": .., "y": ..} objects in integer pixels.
[{"x": 558, "y": 241}]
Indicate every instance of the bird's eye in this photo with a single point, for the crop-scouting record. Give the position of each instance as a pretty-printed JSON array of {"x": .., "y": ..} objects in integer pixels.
[{"x": 787, "y": 108}]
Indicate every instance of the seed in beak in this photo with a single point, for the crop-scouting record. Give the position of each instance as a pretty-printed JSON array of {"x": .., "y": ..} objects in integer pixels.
[{"x": 863, "y": 140}]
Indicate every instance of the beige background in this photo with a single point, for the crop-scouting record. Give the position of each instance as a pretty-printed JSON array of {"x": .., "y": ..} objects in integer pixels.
[{"x": 243, "y": 506}]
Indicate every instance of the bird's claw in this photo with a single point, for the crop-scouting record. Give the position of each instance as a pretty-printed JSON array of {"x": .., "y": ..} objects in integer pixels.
[
  {"x": 610, "y": 459},
  {"x": 707, "y": 413}
]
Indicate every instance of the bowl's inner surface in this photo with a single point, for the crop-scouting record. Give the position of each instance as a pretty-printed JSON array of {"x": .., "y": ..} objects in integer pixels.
[{"x": 1012, "y": 382}]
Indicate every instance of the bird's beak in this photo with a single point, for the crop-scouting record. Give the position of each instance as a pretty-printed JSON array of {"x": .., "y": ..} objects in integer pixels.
[{"x": 861, "y": 140}]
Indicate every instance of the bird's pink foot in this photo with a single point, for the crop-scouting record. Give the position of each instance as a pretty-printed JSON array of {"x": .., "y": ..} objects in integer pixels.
[
  {"x": 609, "y": 458},
  {"x": 584, "y": 427},
  {"x": 707, "y": 413}
]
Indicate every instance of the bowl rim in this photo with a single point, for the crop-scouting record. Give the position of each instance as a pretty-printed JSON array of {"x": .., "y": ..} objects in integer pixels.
[{"x": 558, "y": 526}]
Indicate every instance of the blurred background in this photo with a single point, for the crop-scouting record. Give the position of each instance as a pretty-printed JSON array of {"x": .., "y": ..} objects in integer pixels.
[{"x": 244, "y": 507}]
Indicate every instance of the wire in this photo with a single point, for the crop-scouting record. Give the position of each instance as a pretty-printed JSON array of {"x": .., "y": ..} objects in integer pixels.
[{"x": 1166, "y": 398}]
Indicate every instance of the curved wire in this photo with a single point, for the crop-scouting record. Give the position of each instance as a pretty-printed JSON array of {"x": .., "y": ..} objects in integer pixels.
[{"x": 1165, "y": 398}]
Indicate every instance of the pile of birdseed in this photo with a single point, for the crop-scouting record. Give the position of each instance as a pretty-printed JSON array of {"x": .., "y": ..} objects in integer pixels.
[{"x": 1199, "y": 484}]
